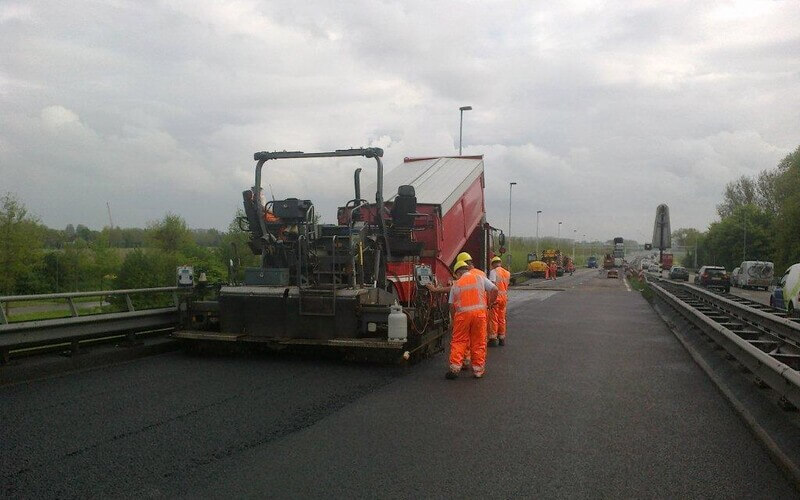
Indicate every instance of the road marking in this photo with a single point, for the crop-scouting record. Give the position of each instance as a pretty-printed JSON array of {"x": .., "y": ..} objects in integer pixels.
[
  {"x": 625, "y": 280},
  {"x": 517, "y": 299}
]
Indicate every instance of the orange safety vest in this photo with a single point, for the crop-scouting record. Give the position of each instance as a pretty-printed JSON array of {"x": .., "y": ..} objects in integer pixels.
[
  {"x": 477, "y": 272},
  {"x": 503, "y": 281},
  {"x": 468, "y": 293}
]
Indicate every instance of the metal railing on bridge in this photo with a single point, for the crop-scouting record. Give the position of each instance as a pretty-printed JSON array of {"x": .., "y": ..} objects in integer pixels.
[
  {"x": 765, "y": 343},
  {"x": 118, "y": 317}
]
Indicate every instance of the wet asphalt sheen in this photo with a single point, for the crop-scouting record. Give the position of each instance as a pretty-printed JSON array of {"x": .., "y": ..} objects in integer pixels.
[{"x": 592, "y": 397}]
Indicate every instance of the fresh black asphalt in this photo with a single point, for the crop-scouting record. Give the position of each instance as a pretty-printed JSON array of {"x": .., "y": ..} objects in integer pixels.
[{"x": 592, "y": 397}]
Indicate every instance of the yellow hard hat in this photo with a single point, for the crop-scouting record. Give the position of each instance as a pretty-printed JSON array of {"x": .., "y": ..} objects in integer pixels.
[
  {"x": 459, "y": 265},
  {"x": 496, "y": 259},
  {"x": 463, "y": 257}
]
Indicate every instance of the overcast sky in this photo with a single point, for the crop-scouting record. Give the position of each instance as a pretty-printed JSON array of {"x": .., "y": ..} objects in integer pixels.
[{"x": 598, "y": 111}]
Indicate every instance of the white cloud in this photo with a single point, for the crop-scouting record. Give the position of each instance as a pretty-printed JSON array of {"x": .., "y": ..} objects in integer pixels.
[{"x": 600, "y": 112}]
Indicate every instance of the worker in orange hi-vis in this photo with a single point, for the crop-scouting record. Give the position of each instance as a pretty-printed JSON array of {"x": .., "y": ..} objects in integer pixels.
[
  {"x": 553, "y": 270},
  {"x": 468, "y": 306},
  {"x": 467, "y": 259},
  {"x": 501, "y": 278}
]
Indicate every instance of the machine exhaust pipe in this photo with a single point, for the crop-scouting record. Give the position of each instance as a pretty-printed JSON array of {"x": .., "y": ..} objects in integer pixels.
[{"x": 357, "y": 183}]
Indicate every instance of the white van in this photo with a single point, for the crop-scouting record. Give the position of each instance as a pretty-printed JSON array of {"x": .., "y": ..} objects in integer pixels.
[
  {"x": 753, "y": 274},
  {"x": 786, "y": 294}
]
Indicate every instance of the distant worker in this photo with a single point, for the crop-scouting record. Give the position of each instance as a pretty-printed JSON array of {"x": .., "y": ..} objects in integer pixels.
[
  {"x": 497, "y": 314},
  {"x": 468, "y": 308},
  {"x": 553, "y": 269}
]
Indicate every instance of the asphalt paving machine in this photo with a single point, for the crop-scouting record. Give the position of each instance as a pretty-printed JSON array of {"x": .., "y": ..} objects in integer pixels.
[{"x": 358, "y": 287}]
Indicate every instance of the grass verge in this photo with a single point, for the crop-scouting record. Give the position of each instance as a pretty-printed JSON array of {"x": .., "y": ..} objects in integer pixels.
[{"x": 642, "y": 287}]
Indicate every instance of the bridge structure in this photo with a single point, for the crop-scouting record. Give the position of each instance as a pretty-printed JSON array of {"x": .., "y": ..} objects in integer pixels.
[{"x": 606, "y": 388}]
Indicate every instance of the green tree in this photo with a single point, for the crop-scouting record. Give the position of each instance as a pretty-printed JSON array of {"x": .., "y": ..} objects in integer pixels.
[
  {"x": 170, "y": 234},
  {"x": 787, "y": 226},
  {"x": 742, "y": 191},
  {"x": 693, "y": 241},
  {"x": 745, "y": 234},
  {"x": 76, "y": 265},
  {"x": 20, "y": 243},
  {"x": 234, "y": 248},
  {"x": 147, "y": 269},
  {"x": 107, "y": 261}
]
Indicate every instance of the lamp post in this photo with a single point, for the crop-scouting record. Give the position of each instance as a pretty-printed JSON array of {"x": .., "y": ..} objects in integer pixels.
[
  {"x": 583, "y": 244},
  {"x": 510, "y": 186},
  {"x": 558, "y": 237},
  {"x": 461, "y": 126},
  {"x": 744, "y": 241},
  {"x": 537, "y": 234},
  {"x": 574, "y": 235}
]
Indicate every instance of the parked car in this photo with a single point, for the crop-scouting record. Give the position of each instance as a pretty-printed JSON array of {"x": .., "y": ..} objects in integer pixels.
[
  {"x": 679, "y": 273},
  {"x": 591, "y": 262},
  {"x": 735, "y": 276},
  {"x": 713, "y": 277},
  {"x": 645, "y": 264},
  {"x": 786, "y": 294},
  {"x": 753, "y": 274},
  {"x": 654, "y": 268}
]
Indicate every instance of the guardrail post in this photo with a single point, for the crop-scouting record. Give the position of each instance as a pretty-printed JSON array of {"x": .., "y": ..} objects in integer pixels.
[
  {"x": 3, "y": 318},
  {"x": 72, "y": 308},
  {"x": 129, "y": 303},
  {"x": 176, "y": 299}
]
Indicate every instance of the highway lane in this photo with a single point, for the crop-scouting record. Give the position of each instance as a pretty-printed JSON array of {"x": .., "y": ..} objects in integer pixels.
[
  {"x": 757, "y": 295},
  {"x": 592, "y": 396}
]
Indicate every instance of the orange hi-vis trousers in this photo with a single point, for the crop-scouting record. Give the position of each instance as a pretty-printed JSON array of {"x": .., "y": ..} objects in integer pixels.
[
  {"x": 497, "y": 318},
  {"x": 469, "y": 338}
]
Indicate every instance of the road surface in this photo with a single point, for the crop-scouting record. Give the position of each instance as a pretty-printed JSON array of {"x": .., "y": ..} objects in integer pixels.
[{"x": 592, "y": 397}]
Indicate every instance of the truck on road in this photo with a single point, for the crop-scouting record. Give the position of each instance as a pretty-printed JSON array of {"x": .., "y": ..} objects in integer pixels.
[{"x": 619, "y": 251}]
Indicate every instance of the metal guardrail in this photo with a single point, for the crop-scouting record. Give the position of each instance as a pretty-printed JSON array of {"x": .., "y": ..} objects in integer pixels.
[
  {"x": 744, "y": 341},
  {"x": 75, "y": 329}
]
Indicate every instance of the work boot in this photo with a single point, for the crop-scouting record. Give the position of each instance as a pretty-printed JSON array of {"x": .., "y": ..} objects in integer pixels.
[
  {"x": 492, "y": 342},
  {"x": 501, "y": 341},
  {"x": 451, "y": 375},
  {"x": 478, "y": 374}
]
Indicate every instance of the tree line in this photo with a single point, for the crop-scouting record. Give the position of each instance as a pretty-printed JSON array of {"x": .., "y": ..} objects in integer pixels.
[
  {"x": 37, "y": 259},
  {"x": 759, "y": 219}
]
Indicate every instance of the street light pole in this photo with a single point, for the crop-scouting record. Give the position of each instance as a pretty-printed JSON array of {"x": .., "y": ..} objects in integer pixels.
[
  {"x": 510, "y": 185},
  {"x": 583, "y": 244},
  {"x": 574, "y": 235},
  {"x": 744, "y": 243},
  {"x": 537, "y": 235},
  {"x": 461, "y": 126},
  {"x": 558, "y": 238}
]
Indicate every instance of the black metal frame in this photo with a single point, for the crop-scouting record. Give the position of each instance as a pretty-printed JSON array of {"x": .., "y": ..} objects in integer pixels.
[{"x": 264, "y": 156}]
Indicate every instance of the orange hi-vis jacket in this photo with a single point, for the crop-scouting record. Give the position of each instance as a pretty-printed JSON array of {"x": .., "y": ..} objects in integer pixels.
[
  {"x": 503, "y": 280},
  {"x": 497, "y": 316},
  {"x": 477, "y": 272},
  {"x": 468, "y": 293}
]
